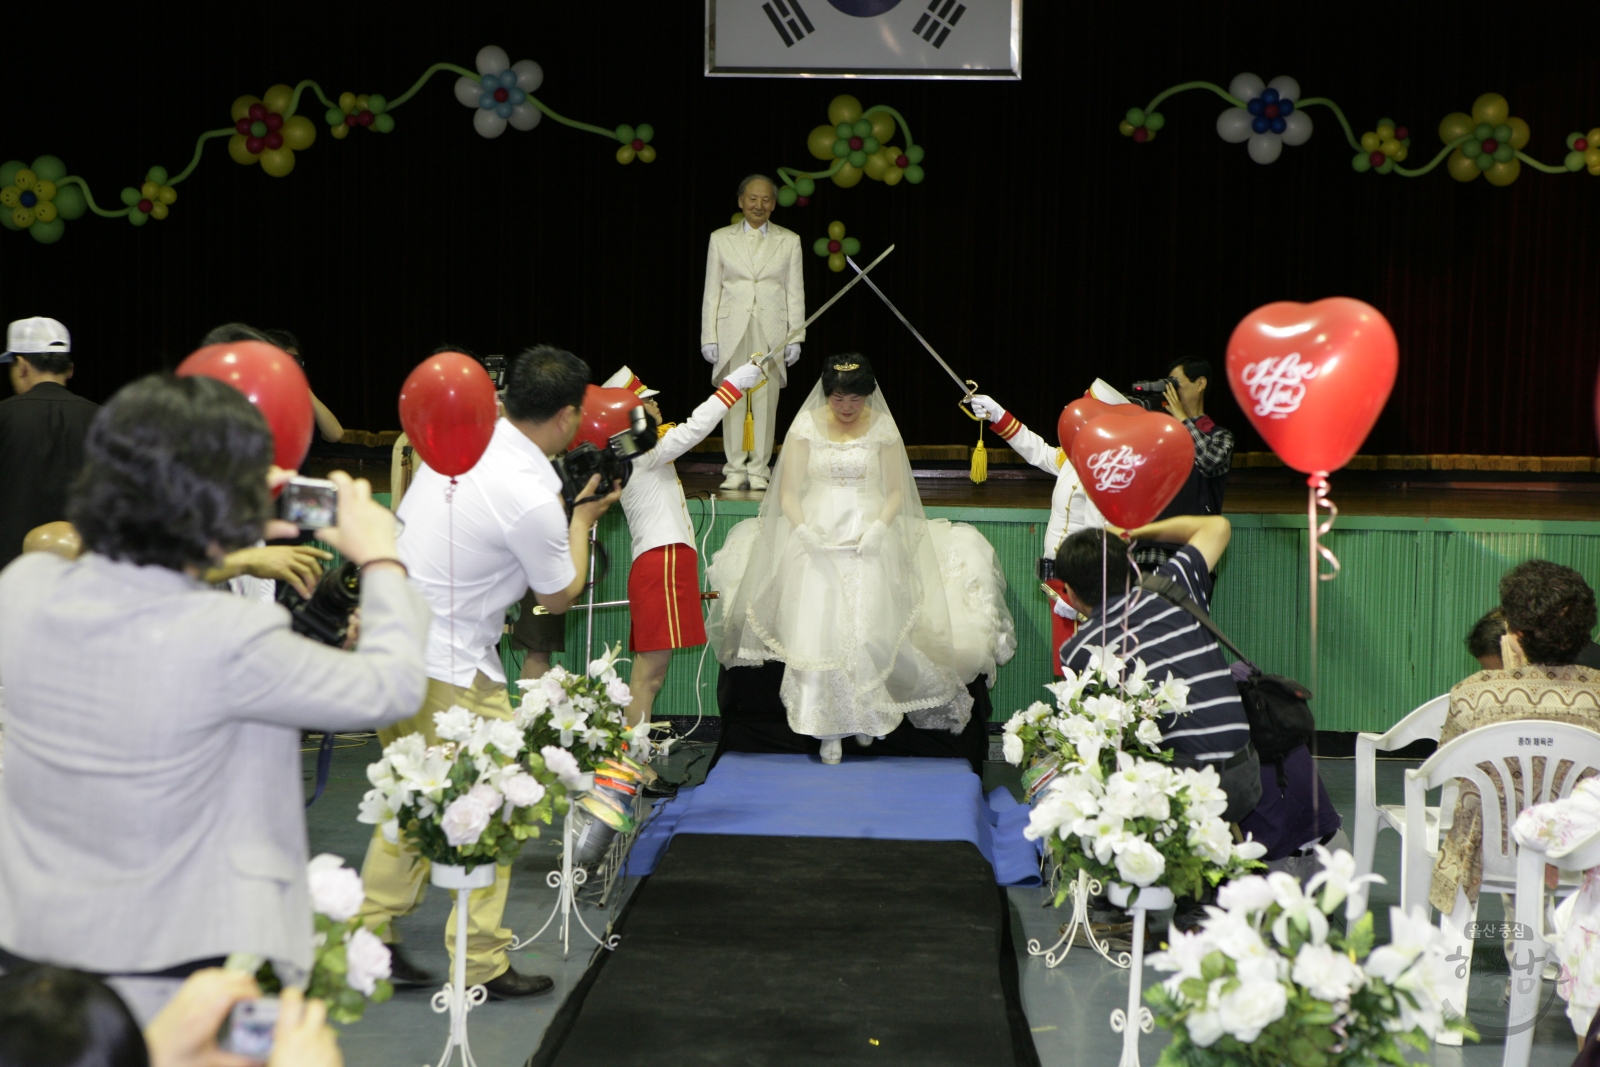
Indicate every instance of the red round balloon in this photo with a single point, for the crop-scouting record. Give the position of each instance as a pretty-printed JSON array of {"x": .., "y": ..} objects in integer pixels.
[
  {"x": 1132, "y": 468},
  {"x": 1078, "y": 414},
  {"x": 447, "y": 408},
  {"x": 1313, "y": 378},
  {"x": 275, "y": 384},
  {"x": 606, "y": 413}
]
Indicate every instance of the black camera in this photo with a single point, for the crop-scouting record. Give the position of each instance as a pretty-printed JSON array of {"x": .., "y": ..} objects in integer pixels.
[
  {"x": 612, "y": 463},
  {"x": 325, "y": 616},
  {"x": 496, "y": 366},
  {"x": 1151, "y": 395}
]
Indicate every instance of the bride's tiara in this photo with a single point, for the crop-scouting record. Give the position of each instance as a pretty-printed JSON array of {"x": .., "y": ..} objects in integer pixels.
[{"x": 846, "y": 366}]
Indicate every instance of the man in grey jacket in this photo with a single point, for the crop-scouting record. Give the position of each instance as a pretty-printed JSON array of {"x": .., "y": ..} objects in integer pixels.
[{"x": 151, "y": 810}]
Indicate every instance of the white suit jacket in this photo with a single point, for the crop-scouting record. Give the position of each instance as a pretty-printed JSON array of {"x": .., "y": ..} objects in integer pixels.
[
  {"x": 653, "y": 499},
  {"x": 751, "y": 279},
  {"x": 1070, "y": 507},
  {"x": 151, "y": 809}
]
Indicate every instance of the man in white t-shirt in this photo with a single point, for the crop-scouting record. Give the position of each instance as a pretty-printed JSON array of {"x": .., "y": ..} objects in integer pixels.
[
  {"x": 473, "y": 550},
  {"x": 1070, "y": 507},
  {"x": 664, "y": 580}
]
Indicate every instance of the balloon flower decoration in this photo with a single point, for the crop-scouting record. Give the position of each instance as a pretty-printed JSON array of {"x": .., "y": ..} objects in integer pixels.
[
  {"x": 447, "y": 409},
  {"x": 1269, "y": 115},
  {"x": 836, "y": 247},
  {"x": 269, "y": 130},
  {"x": 272, "y": 381},
  {"x": 855, "y": 143},
  {"x": 1313, "y": 379}
]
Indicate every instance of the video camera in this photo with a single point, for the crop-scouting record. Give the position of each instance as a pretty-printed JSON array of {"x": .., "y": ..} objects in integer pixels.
[
  {"x": 1151, "y": 395},
  {"x": 325, "y": 616},
  {"x": 613, "y": 463}
]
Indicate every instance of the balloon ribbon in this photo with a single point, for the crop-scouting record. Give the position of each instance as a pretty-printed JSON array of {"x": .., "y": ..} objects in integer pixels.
[{"x": 1318, "y": 497}]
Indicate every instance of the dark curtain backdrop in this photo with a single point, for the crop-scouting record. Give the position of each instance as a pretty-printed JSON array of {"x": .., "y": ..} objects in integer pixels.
[{"x": 1042, "y": 250}]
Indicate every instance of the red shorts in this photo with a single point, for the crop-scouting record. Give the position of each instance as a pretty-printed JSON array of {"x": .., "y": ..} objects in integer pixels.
[
  {"x": 664, "y": 600},
  {"x": 1061, "y": 630}
]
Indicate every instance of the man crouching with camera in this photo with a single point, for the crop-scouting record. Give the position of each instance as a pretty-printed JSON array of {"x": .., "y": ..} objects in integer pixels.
[{"x": 474, "y": 550}]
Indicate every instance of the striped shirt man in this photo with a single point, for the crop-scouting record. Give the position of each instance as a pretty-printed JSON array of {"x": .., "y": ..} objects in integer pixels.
[{"x": 1167, "y": 638}]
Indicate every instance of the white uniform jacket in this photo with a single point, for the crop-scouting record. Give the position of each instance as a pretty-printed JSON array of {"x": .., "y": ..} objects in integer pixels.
[
  {"x": 751, "y": 279},
  {"x": 653, "y": 499},
  {"x": 1070, "y": 507}
]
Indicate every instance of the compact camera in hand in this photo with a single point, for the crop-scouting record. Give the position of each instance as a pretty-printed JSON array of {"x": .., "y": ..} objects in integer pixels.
[
  {"x": 325, "y": 616},
  {"x": 250, "y": 1028},
  {"x": 309, "y": 503},
  {"x": 1151, "y": 395},
  {"x": 612, "y": 463}
]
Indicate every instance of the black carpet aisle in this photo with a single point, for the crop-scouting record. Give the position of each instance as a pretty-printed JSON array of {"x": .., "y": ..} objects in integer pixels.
[{"x": 778, "y": 951}]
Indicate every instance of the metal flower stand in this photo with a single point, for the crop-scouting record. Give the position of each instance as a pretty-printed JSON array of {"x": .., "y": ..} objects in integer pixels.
[
  {"x": 1082, "y": 891},
  {"x": 1137, "y": 1019},
  {"x": 456, "y": 998},
  {"x": 566, "y": 881}
]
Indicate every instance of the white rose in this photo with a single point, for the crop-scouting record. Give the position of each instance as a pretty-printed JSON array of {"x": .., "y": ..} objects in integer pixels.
[
  {"x": 562, "y": 765},
  {"x": 366, "y": 960},
  {"x": 1011, "y": 746},
  {"x": 465, "y": 819},
  {"x": 505, "y": 737},
  {"x": 1251, "y": 1008},
  {"x": 1204, "y": 1027},
  {"x": 1110, "y": 837},
  {"x": 1138, "y": 863},
  {"x": 1326, "y": 974},
  {"x": 1214, "y": 841},
  {"x": 1045, "y": 818},
  {"x": 335, "y": 889},
  {"x": 455, "y": 723},
  {"x": 535, "y": 701},
  {"x": 618, "y": 692},
  {"x": 522, "y": 790}
]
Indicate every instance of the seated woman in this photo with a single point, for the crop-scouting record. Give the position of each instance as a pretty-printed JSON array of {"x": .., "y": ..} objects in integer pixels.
[
  {"x": 877, "y": 613},
  {"x": 1549, "y": 611}
]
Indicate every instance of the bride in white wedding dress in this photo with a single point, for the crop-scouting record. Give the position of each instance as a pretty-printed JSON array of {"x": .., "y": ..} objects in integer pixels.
[{"x": 877, "y": 613}]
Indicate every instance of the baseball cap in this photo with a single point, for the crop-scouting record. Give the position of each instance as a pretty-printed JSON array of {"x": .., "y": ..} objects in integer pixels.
[{"x": 28, "y": 336}]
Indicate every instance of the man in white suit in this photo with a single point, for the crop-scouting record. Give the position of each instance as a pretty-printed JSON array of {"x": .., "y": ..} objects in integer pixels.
[{"x": 754, "y": 295}]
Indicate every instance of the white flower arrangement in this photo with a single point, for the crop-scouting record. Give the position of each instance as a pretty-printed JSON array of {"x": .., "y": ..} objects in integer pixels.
[
  {"x": 584, "y": 716},
  {"x": 467, "y": 800},
  {"x": 1105, "y": 800},
  {"x": 1267, "y": 981}
]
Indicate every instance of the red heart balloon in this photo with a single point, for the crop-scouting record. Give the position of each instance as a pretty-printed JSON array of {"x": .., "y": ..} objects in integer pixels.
[
  {"x": 1076, "y": 415},
  {"x": 1132, "y": 468},
  {"x": 1313, "y": 378},
  {"x": 606, "y": 413},
  {"x": 447, "y": 408},
  {"x": 275, "y": 384}
]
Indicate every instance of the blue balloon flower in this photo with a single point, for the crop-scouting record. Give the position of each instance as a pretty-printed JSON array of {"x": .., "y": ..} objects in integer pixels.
[
  {"x": 1270, "y": 95},
  {"x": 1260, "y": 125},
  {"x": 1255, "y": 106},
  {"x": 1278, "y": 125},
  {"x": 503, "y": 110},
  {"x": 1285, "y": 106}
]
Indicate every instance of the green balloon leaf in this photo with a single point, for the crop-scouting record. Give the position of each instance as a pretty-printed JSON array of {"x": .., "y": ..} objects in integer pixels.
[
  {"x": 8, "y": 171},
  {"x": 1154, "y": 121},
  {"x": 820, "y": 246},
  {"x": 847, "y": 131},
  {"x": 1483, "y": 132},
  {"x": 625, "y": 133},
  {"x": 1362, "y": 162},
  {"x": 1386, "y": 167},
  {"x": 1505, "y": 153},
  {"x": 48, "y": 233},
  {"x": 155, "y": 174},
  {"x": 787, "y": 197},
  {"x": 805, "y": 186},
  {"x": 858, "y": 158},
  {"x": 1472, "y": 149},
  {"x": 852, "y": 247},
  {"x": 334, "y": 116},
  {"x": 914, "y": 154},
  {"x": 137, "y": 217},
  {"x": 7, "y": 221},
  {"x": 862, "y": 128},
  {"x": 1574, "y": 161},
  {"x": 70, "y": 202},
  {"x": 130, "y": 195},
  {"x": 645, "y": 132},
  {"x": 914, "y": 174},
  {"x": 1135, "y": 116},
  {"x": 1572, "y": 140},
  {"x": 1502, "y": 132},
  {"x": 1485, "y": 160},
  {"x": 50, "y": 169},
  {"x": 841, "y": 148},
  {"x": 383, "y": 123},
  {"x": 870, "y": 145},
  {"x": 377, "y": 103}
]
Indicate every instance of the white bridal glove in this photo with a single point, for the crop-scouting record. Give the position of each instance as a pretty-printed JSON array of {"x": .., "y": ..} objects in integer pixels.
[
  {"x": 709, "y": 352},
  {"x": 791, "y": 353},
  {"x": 808, "y": 539},
  {"x": 985, "y": 407},
  {"x": 872, "y": 538},
  {"x": 1060, "y": 606},
  {"x": 742, "y": 378}
]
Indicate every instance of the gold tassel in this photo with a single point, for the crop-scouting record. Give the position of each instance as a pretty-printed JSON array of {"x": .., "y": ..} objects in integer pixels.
[
  {"x": 749, "y": 443},
  {"x": 980, "y": 461}
]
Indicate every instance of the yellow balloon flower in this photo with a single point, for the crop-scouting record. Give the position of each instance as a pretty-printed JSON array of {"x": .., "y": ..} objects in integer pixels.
[{"x": 265, "y": 133}]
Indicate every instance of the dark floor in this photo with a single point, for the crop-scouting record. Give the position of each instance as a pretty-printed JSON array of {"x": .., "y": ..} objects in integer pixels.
[{"x": 1068, "y": 1007}]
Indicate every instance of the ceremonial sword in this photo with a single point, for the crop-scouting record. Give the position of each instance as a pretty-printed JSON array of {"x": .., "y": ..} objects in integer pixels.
[
  {"x": 967, "y": 386},
  {"x": 861, "y": 275}
]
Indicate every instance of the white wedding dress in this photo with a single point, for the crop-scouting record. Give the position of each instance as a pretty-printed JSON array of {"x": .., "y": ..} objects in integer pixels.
[{"x": 877, "y": 613}]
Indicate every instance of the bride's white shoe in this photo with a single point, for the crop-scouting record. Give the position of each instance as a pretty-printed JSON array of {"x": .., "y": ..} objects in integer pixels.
[
  {"x": 832, "y": 750},
  {"x": 863, "y": 740}
]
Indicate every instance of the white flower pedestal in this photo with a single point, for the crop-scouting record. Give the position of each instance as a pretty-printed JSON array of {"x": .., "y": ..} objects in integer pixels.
[
  {"x": 566, "y": 882},
  {"x": 1137, "y": 1019},
  {"x": 455, "y": 997},
  {"x": 1082, "y": 891}
]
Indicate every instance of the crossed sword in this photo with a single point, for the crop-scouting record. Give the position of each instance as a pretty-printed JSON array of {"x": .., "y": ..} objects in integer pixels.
[{"x": 968, "y": 387}]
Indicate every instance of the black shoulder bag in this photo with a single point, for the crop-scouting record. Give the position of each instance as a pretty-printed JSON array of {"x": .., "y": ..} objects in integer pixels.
[{"x": 1278, "y": 708}]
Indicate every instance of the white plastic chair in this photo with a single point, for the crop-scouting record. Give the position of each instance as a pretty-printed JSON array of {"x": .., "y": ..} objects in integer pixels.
[
  {"x": 1531, "y": 898},
  {"x": 1502, "y": 746},
  {"x": 1425, "y": 722}
]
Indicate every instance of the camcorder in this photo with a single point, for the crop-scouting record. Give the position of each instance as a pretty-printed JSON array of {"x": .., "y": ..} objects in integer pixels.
[
  {"x": 1151, "y": 395},
  {"x": 496, "y": 366},
  {"x": 613, "y": 463},
  {"x": 325, "y": 616}
]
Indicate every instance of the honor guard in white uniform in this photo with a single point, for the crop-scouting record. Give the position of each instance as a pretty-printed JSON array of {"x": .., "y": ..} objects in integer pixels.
[
  {"x": 664, "y": 580},
  {"x": 754, "y": 295},
  {"x": 1070, "y": 507}
]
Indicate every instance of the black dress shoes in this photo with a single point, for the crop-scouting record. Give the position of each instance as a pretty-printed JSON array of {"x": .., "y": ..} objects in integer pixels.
[
  {"x": 402, "y": 972},
  {"x": 512, "y": 984},
  {"x": 660, "y": 788}
]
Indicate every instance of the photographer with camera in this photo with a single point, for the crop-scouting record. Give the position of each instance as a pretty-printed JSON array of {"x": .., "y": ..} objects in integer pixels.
[
  {"x": 152, "y": 783},
  {"x": 664, "y": 580},
  {"x": 473, "y": 552},
  {"x": 1183, "y": 394}
]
